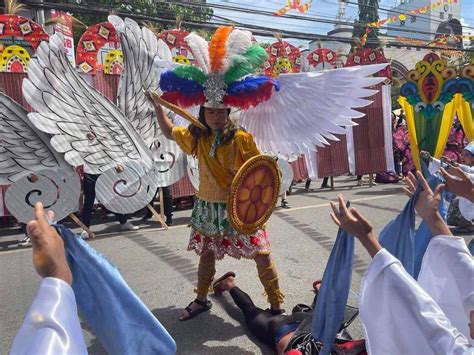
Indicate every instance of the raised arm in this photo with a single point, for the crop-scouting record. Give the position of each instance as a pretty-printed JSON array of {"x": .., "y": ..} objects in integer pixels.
[
  {"x": 355, "y": 224},
  {"x": 164, "y": 122}
]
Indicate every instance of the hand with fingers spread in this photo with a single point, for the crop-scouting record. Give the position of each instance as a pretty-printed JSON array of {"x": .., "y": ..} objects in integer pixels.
[
  {"x": 355, "y": 224},
  {"x": 458, "y": 182},
  {"x": 427, "y": 204},
  {"x": 49, "y": 257}
]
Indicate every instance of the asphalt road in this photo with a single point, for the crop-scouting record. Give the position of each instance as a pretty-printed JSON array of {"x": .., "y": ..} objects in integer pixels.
[{"x": 158, "y": 268}]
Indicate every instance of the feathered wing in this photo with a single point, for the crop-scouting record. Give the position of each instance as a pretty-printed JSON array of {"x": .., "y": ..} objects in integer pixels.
[
  {"x": 310, "y": 108},
  {"x": 139, "y": 47},
  {"x": 22, "y": 147},
  {"x": 85, "y": 125}
]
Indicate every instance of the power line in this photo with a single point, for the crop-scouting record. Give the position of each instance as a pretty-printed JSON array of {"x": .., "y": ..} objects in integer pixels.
[
  {"x": 299, "y": 17},
  {"x": 257, "y": 30}
]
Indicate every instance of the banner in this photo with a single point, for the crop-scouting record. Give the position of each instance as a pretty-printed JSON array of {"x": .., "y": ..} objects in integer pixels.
[
  {"x": 293, "y": 5},
  {"x": 64, "y": 26},
  {"x": 418, "y": 11}
]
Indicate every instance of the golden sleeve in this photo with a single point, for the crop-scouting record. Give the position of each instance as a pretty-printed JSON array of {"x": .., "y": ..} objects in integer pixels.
[
  {"x": 184, "y": 139},
  {"x": 247, "y": 146}
]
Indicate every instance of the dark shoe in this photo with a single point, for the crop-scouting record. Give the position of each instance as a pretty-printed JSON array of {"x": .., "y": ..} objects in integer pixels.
[
  {"x": 205, "y": 306},
  {"x": 325, "y": 186},
  {"x": 285, "y": 204},
  {"x": 306, "y": 186},
  {"x": 169, "y": 221}
]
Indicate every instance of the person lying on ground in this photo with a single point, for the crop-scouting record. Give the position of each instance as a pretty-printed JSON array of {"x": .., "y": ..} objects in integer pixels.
[{"x": 282, "y": 332}]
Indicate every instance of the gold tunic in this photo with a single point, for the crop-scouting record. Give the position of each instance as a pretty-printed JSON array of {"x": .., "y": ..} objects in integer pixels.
[{"x": 216, "y": 174}]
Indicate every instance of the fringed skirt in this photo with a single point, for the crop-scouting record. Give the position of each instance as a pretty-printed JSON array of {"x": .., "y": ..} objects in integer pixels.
[{"x": 211, "y": 230}]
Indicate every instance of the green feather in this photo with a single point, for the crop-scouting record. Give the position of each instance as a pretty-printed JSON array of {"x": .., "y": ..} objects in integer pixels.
[
  {"x": 191, "y": 72},
  {"x": 245, "y": 64}
]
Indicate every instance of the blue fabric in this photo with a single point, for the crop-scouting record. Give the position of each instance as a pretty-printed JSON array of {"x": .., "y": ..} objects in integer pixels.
[
  {"x": 120, "y": 320},
  {"x": 332, "y": 297},
  {"x": 399, "y": 236}
]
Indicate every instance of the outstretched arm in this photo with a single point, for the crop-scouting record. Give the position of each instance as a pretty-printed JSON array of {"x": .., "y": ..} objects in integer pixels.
[
  {"x": 164, "y": 122},
  {"x": 51, "y": 324}
]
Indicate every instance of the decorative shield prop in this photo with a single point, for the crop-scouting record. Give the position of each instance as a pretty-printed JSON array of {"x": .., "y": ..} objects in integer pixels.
[{"x": 253, "y": 194}]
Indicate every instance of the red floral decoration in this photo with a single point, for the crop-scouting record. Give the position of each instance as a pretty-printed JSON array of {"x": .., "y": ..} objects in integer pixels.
[
  {"x": 367, "y": 56},
  {"x": 322, "y": 55},
  {"x": 282, "y": 58},
  {"x": 91, "y": 42},
  {"x": 179, "y": 48}
]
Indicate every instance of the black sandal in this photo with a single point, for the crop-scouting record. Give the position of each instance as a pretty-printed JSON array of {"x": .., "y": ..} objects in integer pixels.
[{"x": 205, "y": 306}]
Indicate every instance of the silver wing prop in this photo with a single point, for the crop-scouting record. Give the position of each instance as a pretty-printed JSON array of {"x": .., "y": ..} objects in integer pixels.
[
  {"x": 22, "y": 147},
  {"x": 34, "y": 171},
  {"x": 85, "y": 125},
  {"x": 309, "y": 108},
  {"x": 58, "y": 190},
  {"x": 141, "y": 51}
]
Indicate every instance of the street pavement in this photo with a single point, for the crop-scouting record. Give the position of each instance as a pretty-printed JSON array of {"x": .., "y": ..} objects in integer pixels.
[{"x": 157, "y": 266}]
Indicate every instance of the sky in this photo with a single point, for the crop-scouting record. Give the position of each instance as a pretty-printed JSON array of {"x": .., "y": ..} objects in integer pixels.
[{"x": 326, "y": 9}]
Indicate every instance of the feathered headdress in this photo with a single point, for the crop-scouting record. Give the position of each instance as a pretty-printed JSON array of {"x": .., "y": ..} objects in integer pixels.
[{"x": 223, "y": 76}]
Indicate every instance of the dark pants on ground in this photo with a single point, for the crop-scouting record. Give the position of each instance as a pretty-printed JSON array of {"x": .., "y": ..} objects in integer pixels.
[
  {"x": 262, "y": 323},
  {"x": 167, "y": 203},
  {"x": 88, "y": 188}
]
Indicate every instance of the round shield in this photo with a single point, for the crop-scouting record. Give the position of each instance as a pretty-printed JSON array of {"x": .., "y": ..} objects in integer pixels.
[{"x": 253, "y": 194}]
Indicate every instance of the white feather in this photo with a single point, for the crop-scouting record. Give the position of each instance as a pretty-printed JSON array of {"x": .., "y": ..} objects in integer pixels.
[
  {"x": 200, "y": 49},
  {"x": 164, "y": 51},
  {"x": 310, "y": 108},
  {"x": 238, "y": 43}
]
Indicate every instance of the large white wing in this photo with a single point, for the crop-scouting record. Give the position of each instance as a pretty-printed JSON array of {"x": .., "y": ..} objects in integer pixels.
[
  {"x": 85, "y": 125},
  {"x": 22, "y": 147},
  {"x": 310, "y": 108},
  {"x": 140, "y": 47}
]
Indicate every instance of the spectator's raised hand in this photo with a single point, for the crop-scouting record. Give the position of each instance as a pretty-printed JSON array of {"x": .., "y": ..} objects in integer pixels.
[
  {"x": 355, "y": 224},
  {"x": 427, "y": 204},
  {"x": 458, "y": 182},
  {"x": 350, "y": 219},
  {"x": 49, "y": 257}
]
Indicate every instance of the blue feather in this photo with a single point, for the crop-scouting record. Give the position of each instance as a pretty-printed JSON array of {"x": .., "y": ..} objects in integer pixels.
[
  {"x": 171, "y": 82},
  {"x": 249, "y": 84}
]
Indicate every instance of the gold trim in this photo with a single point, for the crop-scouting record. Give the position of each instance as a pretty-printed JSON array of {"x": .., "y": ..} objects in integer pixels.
[
  {"x": 245, "y": 172},
  {"x": 176, "y": 109}
]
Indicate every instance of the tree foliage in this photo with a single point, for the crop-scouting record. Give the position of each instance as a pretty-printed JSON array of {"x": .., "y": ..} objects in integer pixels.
[
  {"x": 368, "y": 12},
  {"x": 190, "y": 10}
]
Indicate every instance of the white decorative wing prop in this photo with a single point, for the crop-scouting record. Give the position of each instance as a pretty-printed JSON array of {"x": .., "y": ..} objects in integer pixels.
[
  {"x": 22, "y": 147},
  {"x": 85, "y": 125},
  {"x": 310, "y": 108},
  {"x": 141, "y": 49},
  {"x": 32, "y": 167}
]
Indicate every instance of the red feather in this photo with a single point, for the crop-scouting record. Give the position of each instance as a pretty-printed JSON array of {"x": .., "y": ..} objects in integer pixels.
[
  {"x": 184, "y": 101},
  {"x": 250, "y": 98}
]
